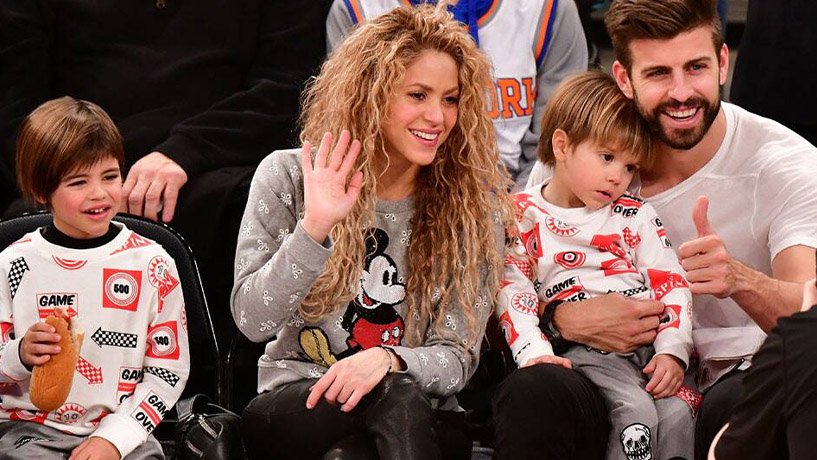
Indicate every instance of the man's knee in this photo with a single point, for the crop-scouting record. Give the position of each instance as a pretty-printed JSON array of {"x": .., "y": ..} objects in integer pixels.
[
  {"x": 544, "y": 389},
  {"x": 567, "y": 410}
]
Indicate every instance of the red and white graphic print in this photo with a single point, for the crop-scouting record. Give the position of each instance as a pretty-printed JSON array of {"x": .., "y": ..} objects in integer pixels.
[
  {"x": 559, "y": 228},
  {"x": 523, "y": 202},
  {"x": 70, "y": 413},
  {"x": 631, "y": 239},
  {"x": 121, "y": 288},
  {"x": 661, "y": 232},
  {"x": 102, "y": 414},
  {"x": 47, "y": 301},
  {"x": 522, "y": 265},
  {"x": 128, "y": 378},
  {"x": 160, "y": 277},
  {"x": 507, "y": 328},
  {"x": 134, "y": 241},
  {"x": 6, "y": 331},
  {"x": 690, "y": 396},
  {"x": 28, "y": 416},
  {"x": 662, "y": 282},
  {"x": 184, "y": 318},
  {"x": 91, "y": 373},
  {"x": 150, "y": 411},
  {"x": 608, "y": 243},
  {"x": 627, "y": 206},
  {"x": 25, "y": 239},
  {"x": 570, "y": 259},
  {"x": 671, "y": 318},
  {"x": 617, "y": 266},
  {"x": 566, "y": 290},
  {"x": 69, "y": 264},
  {"x": 532, "y": 241},
  {"x": 163, "y": 341},
  {"x": 525, "y": 302}
]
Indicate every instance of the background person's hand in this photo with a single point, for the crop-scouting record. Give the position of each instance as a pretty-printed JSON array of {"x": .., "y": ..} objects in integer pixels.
[
  {"x": 351, "y": 378},
  {"x": 330, "y": 187},
  {"x": 153, "y": 184},
  {"x": 610, "y": 322},
  {"x": 38, "y": 344}
]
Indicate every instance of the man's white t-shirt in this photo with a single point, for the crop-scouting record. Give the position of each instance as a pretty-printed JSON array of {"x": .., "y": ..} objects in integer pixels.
[{"x": 762, "y": 190}]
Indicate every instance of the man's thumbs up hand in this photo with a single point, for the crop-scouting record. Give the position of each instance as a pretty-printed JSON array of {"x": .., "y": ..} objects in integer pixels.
[
  {"x": 710, "y": 269},
  {"x": 700, "y": 218}
]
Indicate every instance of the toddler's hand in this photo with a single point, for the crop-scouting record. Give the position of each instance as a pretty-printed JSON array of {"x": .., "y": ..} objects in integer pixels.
[
  {"x": 95, "y": 448},
  {"x": 38, "y": 344},
  {"x": 667, "y": 375},
  {"x": 548, "y": 359}
]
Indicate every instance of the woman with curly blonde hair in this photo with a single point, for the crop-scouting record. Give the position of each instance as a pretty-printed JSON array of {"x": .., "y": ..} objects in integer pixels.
[{"x": 371, "y": 263}]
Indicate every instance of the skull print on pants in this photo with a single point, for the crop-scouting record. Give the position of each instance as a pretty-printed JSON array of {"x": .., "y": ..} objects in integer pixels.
[{"x": 635, "y": 440}]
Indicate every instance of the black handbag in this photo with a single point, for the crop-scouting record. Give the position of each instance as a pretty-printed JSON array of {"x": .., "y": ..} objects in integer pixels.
[{"x": 207, "y": 431}]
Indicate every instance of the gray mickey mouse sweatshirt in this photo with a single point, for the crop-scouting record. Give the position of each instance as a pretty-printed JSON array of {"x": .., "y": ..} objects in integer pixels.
[{"x": 277, "y": 262}]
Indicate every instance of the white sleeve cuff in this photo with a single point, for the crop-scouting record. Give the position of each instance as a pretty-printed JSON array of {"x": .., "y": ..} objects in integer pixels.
[
  {"x": 10, "y": 364},
  {"x": 532, "y": 350},
  {"x": 121, "y": 433}
]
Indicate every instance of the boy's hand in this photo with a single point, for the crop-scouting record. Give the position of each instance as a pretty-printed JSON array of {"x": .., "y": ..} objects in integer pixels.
[
  {"x": 95, "y": 448},
  {"x": 548, "y": 359},
  {"x": 667, "y": 375},
  {"x": 38, "y": 344}
]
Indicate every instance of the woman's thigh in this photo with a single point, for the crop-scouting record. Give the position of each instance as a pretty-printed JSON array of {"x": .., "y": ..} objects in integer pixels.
[{"x": 277, "y": 424}]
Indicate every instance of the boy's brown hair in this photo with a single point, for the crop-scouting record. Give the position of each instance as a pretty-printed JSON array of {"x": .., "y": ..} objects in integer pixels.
[
  {"x": 59, "y": 137},
  {"x": 591, "y": 106},
  {"x": 629, "y": 20}
]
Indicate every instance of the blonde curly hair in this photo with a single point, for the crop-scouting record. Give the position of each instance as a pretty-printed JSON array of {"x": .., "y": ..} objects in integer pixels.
[{"x": 456, "y": 197}]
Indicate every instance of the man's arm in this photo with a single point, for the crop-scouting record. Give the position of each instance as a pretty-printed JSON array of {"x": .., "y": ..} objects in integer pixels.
[
  {"x": 244, "y": 127},
  {"x": 565, "y": 55},
  {"x": 764, "y": 298},
  {"x": 712, "y": 270},
  {"x": 609, "y": 323},
  {"x": 339, "y": 22}
]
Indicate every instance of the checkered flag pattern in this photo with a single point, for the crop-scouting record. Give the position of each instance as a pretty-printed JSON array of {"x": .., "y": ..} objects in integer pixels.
[
  {"x": 87, "y": 370},
  {"x": 164, "y": 374},
  {"x": 632, "y": 239},
  {"x": 18, "y": 269},
  {"x": 115, "y": 339}
]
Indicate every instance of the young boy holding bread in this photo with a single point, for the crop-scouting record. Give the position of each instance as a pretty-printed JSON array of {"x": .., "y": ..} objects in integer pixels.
[{"x": 97, "y": 397}]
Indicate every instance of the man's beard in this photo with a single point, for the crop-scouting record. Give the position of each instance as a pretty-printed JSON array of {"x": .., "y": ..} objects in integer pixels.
[{"x": 680, "y": 139}]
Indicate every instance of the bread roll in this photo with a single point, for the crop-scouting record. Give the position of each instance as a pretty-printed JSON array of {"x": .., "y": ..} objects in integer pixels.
[{"x": 51, "y": 382}]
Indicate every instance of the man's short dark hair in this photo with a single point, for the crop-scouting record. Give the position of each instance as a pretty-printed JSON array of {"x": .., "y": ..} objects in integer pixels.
[{"x": 629, "y": 20}]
